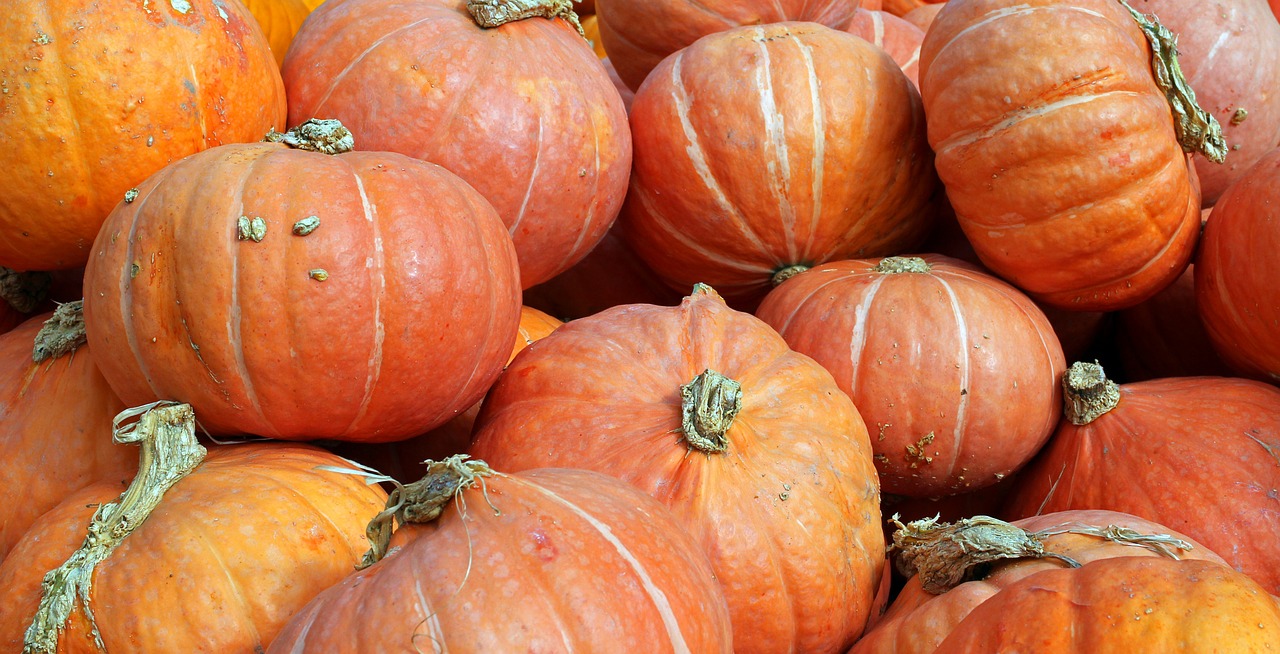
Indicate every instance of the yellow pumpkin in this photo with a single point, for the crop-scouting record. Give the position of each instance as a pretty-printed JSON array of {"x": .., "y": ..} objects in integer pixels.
[{"x": 280, "y": 20}]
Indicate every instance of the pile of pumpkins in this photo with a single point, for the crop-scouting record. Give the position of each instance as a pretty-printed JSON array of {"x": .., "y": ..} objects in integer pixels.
[{"x": 640, "y": 326}]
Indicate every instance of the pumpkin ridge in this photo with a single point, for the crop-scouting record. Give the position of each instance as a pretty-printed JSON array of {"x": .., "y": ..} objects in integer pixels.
[
  {"x": 965, "y": 379},
  {"x": 378, "y": 281},
  {"x": 1007, "y": 121},
  {"x": 819, "y": 162},
  {"x": 776, "y": 159},
  {"x": 337, "y": 79},
  {"x": 858, "y": 346},
  {"x": 662, "y": 222},
  {"x": 242, "y": 366},
  {"x": 234, "y": 585}
]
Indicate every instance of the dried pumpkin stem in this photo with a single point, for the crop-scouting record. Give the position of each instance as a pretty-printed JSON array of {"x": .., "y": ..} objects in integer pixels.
[
  {"x": 1197, "y": 129},
  {"x": 783, "y": 274},
  {"x": 496, "y": 13},
  {"x": 422, "y": 501},
  {"x": 1087, "y": 394},
  {"x": 61, "y": 334},
  {"x": 24, "y": 291},
  {"x": 326, "y": 136},
  {"x": 896, "y": 265},
  {"x": 708, "y": 405},
  {"x": 166, "y": 433}
]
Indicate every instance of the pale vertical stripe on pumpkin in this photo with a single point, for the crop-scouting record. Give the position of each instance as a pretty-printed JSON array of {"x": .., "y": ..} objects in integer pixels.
[
  {"x": 377, "y": 267},
  {"x": 965, "y": 364},
  {"x": 337, "y": 79},
  {"x": 961, "y": 139},
  {"x": 533, "y": 178},
  {"x": 698, "y": 157},
  {"x": 819, "y": 140},
  {"x": 196, "y": 104},
  {"x": 877, "y": 28},
  {"x": 431, "y": 619},
  {"x": 859, "y": 341},
  {"x": 660, "y": 221},
  {"x": 126, "y": 295},
  {"x": 234, "y": 311},
  {"x": 655, "y": 593},
  {"x": 775, "y": 128}
]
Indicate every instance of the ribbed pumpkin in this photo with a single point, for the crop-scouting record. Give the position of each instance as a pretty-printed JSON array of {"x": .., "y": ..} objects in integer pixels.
[
  {"x": 923, "y": 15},
  {"x": 903, "y": 7},
  {"x": 211, "y": 559},
  {"x": 523, "y": 112},
  {"x": 761, "y": 148},
  {"x": 1136, "y": 591},
  {"x": 280, "y": 20},
  {"x": 291, "y": 294},
  {"x": 96, "y": 96},
  {"x": 55, "y": 421},
  {"x": 1058, "y": 150},
  {"x": 955, "y": 371},
  {"x": 1235, "y": 275},
  {"x": 1197, "y": 454},
  {"x": 639, "y": 35},
  {"x": 540, "y": 561},
  {"x": 752, "y": 445},
  {"x": 893, "y": 35}
]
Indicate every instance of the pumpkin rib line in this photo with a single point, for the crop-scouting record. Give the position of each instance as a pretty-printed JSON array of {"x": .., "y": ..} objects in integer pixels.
[
  {"x": 819, "y": 162},
  {"x": 659, "y": 220},
  {"x": 1006, "y": 12},
  {"x": 1008, "y": 121},
  {"x": 236, "y": 312},
  {"x": 379, "y": 279},
  {"x": 800, "y": 303},
  {"x": 858, "y": 343},
  {"x": 126, "y": 295},
  {"x": 337, "y": 79},
  {"x": 533, "y": 178},
  {"x": 697, "y": 4},
  {"x": 962, "y": 408},
  {"x": 302, "y": 498},
  {"x": 778, "y": 166},
  {"x": 196, "y": 104},
  {"x": 430, "y": 618},
  {"x": 232, "y": 584},
  {"x": 428, "y": 147}
]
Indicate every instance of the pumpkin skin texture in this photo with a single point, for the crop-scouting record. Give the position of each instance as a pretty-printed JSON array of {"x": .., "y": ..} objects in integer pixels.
[
  {"x": 1208, "y": 438},
  {"x": 639, "y": 35},
  {"x": 570, "y": 560},
  {"x": 1236, "y": 273},
  {"x": 893, "y": 35},
  {"x": 955, "y": 371},
  {"x": 611, "y": 275},
  {"x": 524, "y": 112},
  {"x": 230, "y": 554},
  {"x": 413, "y": 323},
  {"x": 922, "y": 16},
  {"x": 280, "y": 20},
  {"x": 1164, "y": 336},
  {"x": 55, "y": 429},
  {"x": 100, "y": 95},
  {"x": 788, "y": 512},
  {"x": 1057, "y": 149},
  {"x": 743, "y": 168},
  {"x": 918, "y": 622}
]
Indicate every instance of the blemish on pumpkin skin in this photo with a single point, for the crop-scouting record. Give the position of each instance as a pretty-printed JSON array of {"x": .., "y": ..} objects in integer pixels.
[{"x": 542, "y": 546}]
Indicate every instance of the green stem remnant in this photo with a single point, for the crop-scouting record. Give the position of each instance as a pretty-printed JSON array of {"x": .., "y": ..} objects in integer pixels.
[
  {"x": 1197, "y": 129},
  {"x": 496, "y": 13},
  {"x": 24, "y": 291},
  {"x": 324, "y": 136},
  {"x": 166, "y": 433},
  {"x": 708, "y": 405},
  {"x": 896, "y": 265},
  {"x": 1087, "y": 393},
  {"x": 61, "y": 334}
]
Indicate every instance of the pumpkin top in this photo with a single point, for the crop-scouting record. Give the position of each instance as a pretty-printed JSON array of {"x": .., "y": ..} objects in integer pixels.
[
  {"x": 1087, "y": 393},
  {"x": 894, "y": 265},
  {"x": 496, "y": 13},
  {"x": 326, "y": 136}
]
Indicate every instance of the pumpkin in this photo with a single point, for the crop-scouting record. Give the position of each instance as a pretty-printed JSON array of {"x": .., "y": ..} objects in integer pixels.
[
  {"x": 1140, "y": 586},
  {"x": 546, "y": 560},
  {"x": 1058, "y": 150},
  {"x": 1236, "y": 272},
  {"x": 55, "y": 419},
  {"x": 922, "y": 16},
  {"x": 639, "y": 35},
  {"x": 761, "y": 148},
  {"x": 904, "y": 7},
  {"x": 1197, "y": 454},
  {"x": 610, "y": 275},
  {"x": 1164, "y": 336},
  {"x": 195, "y": 556},
  {"x": 893, "y": 35},
  {"x": 523, "y": 112},
  {"x": 299, "y": 295},
  {"x": 96, "y": 96},
  {"x": 402, "y": 460},
  {"x": 955, "y": 371},
  {"x": 1230, "y": 54},
  {"x": 280, "y": 20},
  {"x": 752, "y": 445},
  {"x": 591, "y": 30}
]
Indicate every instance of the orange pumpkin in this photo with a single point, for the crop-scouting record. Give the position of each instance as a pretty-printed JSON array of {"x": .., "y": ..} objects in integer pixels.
[
  {"x": 892, "y": 34},
  {"x": 280, "y": 20},
  {"x": 1058, "y": 150},
  {"x": 611, "y": 275},
  {"x": 752, "y": 445},
  {"x": 1165, "y": 337},
  {"x": 97, "y": 96}
]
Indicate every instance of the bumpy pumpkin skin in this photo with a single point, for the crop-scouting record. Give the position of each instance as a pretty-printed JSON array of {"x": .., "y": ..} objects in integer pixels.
[
  {"x": 55, "y": 430},
  {"x": 918, "y": 622},
  {"x": 546, "y": 560},
  {"x": 639, "y": 35},
  {"x": 789, "y": 513},
  {"x": 955, "y": 371},
  {"x": 524, "y": 112},
  {"x": 1057, "y": 149},
  {"x": 231, "y": 553},
  {"x": 99, "y": 95},
  {"x": 1213, "y": 439},
  {"x": 1235, "y": 275},
  {"x": 769, "y": 146},
  {"x": 412, "y": 324}
]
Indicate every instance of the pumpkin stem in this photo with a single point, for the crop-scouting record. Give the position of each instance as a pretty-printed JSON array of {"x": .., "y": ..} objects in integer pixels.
[
  {"x": 895, "y": 265},
  {"x": 166, "y": 433},
  {"x": 496, "y": 13},
  {"x": 1197, "y": 129},
  {"x": 422, "y": 501},
  {"x": 1087, "y": 393},
  {"x": 327, "y": 136},
  {"x": 708, "y": 405},
  {"x": 24, "y": 291},
  {"x": 61, "y": 334},
  {"x": 783, "y": 274}
]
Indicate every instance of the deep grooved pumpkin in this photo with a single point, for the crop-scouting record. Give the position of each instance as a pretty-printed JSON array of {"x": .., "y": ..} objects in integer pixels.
[
  {"x": 96, "y": 96},
  {"x": 765, "y": 147},
  {"x": 1237, "y": 271},
  {"x": 893, "y": 35},
  {"x": 639, "y": 35},
  {"x": 752, "y": 445},
  {"x": 1198, "y": 454},
  {"x": 524, "y": 112},
  {"x": 1058, "y": 150},
  {"x": 381, "y": 299},
  {"x": 55, "y": 426},
  {"x": 955, "y": 371},
  {"x": 546, "y": 561}
]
